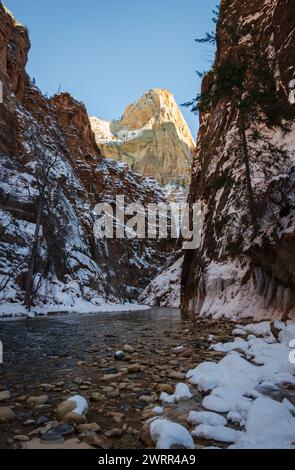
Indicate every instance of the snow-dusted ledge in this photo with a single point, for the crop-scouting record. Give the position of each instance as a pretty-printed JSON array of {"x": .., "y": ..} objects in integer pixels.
[{"x": 80, "y": 306}]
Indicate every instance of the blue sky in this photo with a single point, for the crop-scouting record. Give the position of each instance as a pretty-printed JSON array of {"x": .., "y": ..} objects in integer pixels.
[{"x": 107, "y": 53}]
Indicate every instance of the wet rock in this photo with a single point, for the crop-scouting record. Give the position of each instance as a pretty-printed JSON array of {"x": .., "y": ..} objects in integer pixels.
[
  {"x": 36, "y": 401},
  {"x": 21, "y": 438},
  {"x": 111, "y": 371},
  {"x": 128, "y": 349},
  {"x": 114, "y": 433},
  {"x": 84, "y": 387},
  {"x": 167, "y": 388},
  {"x": 42, "y": 407},
  {"x": 114, "y": 394},
  {"x": 5, "y": 395},
  {"x": 117, "y": 417},
  {"x": 63, "y": 429},
  {"x": 140, "y": 405},
  {"x": 64, "y": 408},
  {"x": 147, "y": 398},
  {"x": 145, "y": 436},
  {"x": 6, "y": 415},
  {"x": 119, "y": 355},
  {"x": 108, "y": 377},
  {"x": 52, "y": 438},
  {"x": 125, "y": 407},
  {"x": 187, "y": 353},
  {"x": 47, "y": 387},
  {"x": 74, "y": 418},
  {"x": 91, "y": 427},
  {"x": 177, "y": 375},
  {"x": 99, "y": 442},
  {"x": 41, "y": 420},
  {"x": 22, "y": 398},
  {"x": 29, "y": 422},
  {"x": 134, "y": 368},
  {"x": 95, "y": 396},
  {"x": 42, "y": 430},
  {"x": 128, "y": 358}
]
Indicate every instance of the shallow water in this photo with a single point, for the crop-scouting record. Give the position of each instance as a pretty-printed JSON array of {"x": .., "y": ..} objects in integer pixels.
[
  {"x": 29, "y": 344},
  {"x": 75, "y": 354}
]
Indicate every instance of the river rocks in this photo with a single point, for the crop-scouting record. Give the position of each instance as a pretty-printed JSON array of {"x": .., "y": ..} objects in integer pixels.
[
  {"x": 84, "y": 387},
  {"x": 91, "y": 427},
  {"x": 29, "y": 422},
  {"x": 147, "y": 398},
  {"x": 114, "y": 433},
  {"x": 21, "y": 438},
  {"x": 64, "y": 408},
  {"x": 167, "y": 388},
  {"x": 95, "y": 396},
  {"x": 117, "y": 417},
  {"x": 6, "y": 415},
  {"x": 128, "y": 349},
  {"x": 74, "y": 418},
  {"x": 63, "y": 429},
  {"x": 22, "y": 398},
  {"x": 99, "y": 442},
  {"x": 41, "y": 420},
  {"x": 108, "y": 377},
  {"x": 134, "y": 368},
  {"x": 43, "y": 429},
  {"x": 145, "y": 435},
  {"x": 5, "y": 395},
  {"x": 177, "y": 375},
  {"x": 119, "y": 355},
  {"x": 73, "y": 410},
  {"x": 47, "y": 387},
  {"x": 52, "y": 438},
  {"x": 36, "y": 401},
  {"x": 108, "y": 389}
]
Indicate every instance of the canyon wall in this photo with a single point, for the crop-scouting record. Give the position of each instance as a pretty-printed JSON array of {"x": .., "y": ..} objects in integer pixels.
[
  {"x": 234, "y": 273},
  {"x": 152, "y": 137},
  {"x": 48, "y": 153}
]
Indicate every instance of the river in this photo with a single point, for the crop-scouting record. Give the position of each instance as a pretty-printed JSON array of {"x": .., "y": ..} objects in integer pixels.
[{"x": 74, "y": 354}]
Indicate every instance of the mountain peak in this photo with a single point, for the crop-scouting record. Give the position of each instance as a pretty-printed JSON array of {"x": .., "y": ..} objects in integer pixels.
[{"x": 152, "y": 137}]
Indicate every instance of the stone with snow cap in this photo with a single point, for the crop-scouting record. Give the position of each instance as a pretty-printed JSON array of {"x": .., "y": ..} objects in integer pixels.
[
  {"x": 182, "y": 392},
  {"x": 169, "y": 435},
  {"x": 73, "y": 410}
]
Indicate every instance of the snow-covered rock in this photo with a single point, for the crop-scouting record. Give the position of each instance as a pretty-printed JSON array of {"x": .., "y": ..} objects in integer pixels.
[{"x": 169, "y": 435}]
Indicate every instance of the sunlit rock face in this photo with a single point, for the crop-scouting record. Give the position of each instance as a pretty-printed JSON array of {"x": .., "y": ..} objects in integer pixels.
[{"x": 152, "y": 137}]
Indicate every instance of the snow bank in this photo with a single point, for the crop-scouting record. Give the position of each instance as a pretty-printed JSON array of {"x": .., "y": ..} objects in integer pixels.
[
  {"x": 164, "y": 290},
  {"x": 236, "y": 390},
  {"x": 269, "y": 425},
  {"x": 80, "y": 306}
]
